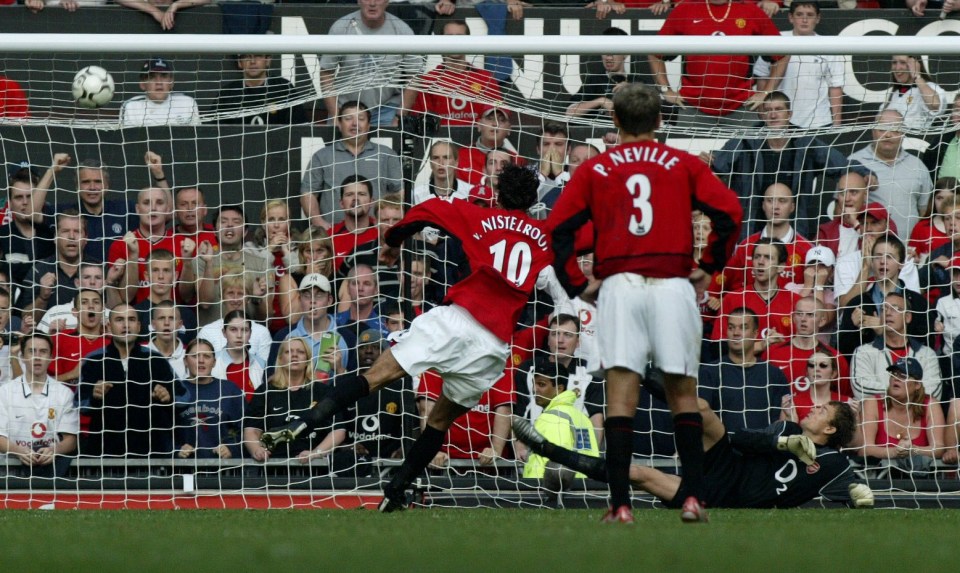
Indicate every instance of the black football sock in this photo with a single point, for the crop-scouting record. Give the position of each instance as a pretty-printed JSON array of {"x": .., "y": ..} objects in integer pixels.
[
  {"x": 345, "y": 393},
  {"x": 593, "y": 468},
  {"x": 416, "y": 460},
  {"x": 618, "y": 431},
  {"x": 688, "y": 434}
]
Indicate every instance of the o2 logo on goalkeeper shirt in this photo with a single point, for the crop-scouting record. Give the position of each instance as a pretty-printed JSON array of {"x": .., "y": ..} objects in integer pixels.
[
  {"x": 639, "y": 187},
  {"x": 785, "y": 475}
]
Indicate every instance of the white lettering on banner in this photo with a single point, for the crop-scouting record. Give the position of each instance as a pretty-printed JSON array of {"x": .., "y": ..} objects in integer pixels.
[
  {"x": 572, "y": 82},
  {"x": 528, "y": 78},
  {"x": 295, "y": 26}
]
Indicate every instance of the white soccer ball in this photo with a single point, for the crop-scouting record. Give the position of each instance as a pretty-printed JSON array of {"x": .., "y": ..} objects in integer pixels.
[{"x": 93, "y": 87}]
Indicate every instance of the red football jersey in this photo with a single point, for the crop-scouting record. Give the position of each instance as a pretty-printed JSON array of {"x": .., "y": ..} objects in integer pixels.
[
  {"x": 793, "y": 362},
  {"x": 345, "y": 242},
  {"x": 459, "y": 105},
  {"x": 776, "y": 313},
  {"x": 470, "y": 434},
  {"x": 717, "y": 84},
  {"x": 737, "y": 272},
  {"x": 506, "y": 251},
  {"x": 69, "y": 348},
  {"x": 118, "y": 250},
  {"x": 640, "y": 197}
]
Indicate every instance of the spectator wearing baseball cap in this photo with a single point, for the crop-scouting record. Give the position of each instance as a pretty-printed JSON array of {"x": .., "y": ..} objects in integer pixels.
[
  {"x": 851, "y": 274},
  {"x": 817, "y": 277},
  {"x": 493, "y": 128},
  {"x": 319, "y": 327},
  {"x": 904, "y": 424},
  {"x": 159, "y": 105}
]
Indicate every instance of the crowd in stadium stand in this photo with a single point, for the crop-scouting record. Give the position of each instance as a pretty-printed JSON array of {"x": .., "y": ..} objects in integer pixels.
[{"x": 163, "y": 326}]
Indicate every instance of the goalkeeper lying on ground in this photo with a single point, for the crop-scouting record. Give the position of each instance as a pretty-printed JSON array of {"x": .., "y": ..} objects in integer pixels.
[{"x": 784, "y": 465}]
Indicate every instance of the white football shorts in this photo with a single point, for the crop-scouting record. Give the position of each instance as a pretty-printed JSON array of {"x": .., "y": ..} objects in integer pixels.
[
  {"x": 641, "y": 320},
  {"x": 447, "y": 339}
]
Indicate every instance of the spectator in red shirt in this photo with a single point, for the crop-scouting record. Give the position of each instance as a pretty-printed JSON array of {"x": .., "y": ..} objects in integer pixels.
[
  {"x": 791, "y": 357},
  {"x": 842, "y": 234},
  {"x": 358, "y": 227},
  {"x": 930, "y": 232},
  {"x": 717, "y": 89},
  {"x": 71, "y": 346},
  {"x": 779, "y": 205},
  {"x": 154, "y": 210},
  {"x": 13, "y": 100},
  {"x": 772, "y": 304},
  {"x": 455, "y": 91},
  {"x": 235, "y": 362},
  {"x": 482, "y": 432},
  {"x": 190, "y": 212},
  {"x": 816, "y": 387}
]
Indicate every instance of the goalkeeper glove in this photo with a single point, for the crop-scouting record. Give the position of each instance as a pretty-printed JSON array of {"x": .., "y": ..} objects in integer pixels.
[
  {"x": 800, "y": 446},
  {"x": 861, "y": 496}
]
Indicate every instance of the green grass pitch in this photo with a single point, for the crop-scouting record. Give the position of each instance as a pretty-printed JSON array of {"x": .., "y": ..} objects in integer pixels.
[{"x": 489, "y": 540}]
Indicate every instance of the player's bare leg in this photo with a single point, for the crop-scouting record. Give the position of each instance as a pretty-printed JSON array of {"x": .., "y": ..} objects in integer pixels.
[
  {"x": 688, "y": 432},
  {"x": 623, "y": 392},
  {"x": 346, "y": 391},
  {"x": 441, "y": 417}
]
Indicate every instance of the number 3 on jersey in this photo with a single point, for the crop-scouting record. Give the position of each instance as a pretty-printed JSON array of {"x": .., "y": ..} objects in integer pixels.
[
  {"x": 639, "y": 187},
  {"x": 518, "y": 263}
]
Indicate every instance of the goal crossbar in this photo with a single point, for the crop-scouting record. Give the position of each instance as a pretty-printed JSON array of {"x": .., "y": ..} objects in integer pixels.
[{"x": 549, "y": 45}]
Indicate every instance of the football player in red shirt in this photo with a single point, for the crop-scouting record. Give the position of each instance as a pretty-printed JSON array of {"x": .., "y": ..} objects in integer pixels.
[
  {"x": 640, "y": 196},
  {"x": 467, "y": 339}
]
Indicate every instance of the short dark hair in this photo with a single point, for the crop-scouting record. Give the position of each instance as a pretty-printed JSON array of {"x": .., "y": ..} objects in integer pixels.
[
  {"x": 162, "y": 305},
  {"x": 844, "y": 421},
  {"x": 234, "y": 314},
  {"x": 777, "y": 95},
  {"x": 80, "y": 292},
  {"x": 637, "y": 109},
  {"x": 895, "y": 243},
  {"x": 457, "y": 21},
  {"x": 812, "y": 3},
  {"x": 38, "y": 335},
  {"x": 517, "y": 188},
  {"x": 72, "y": 214},
  {"x": 777, "y": 245},
  {"x": 555, "y": 128},
  {"x": 562, "y": 318},
  {"x": 358, "y": 179},
  {"x": 24, "y": 175},
  {"x": 745, "y": 311},
  {"x": 235, "y": 207},
  {"x": 187, "y": 188},
  {"x": 614, "y": 31},
  {"x": 354, "y": 104}
]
